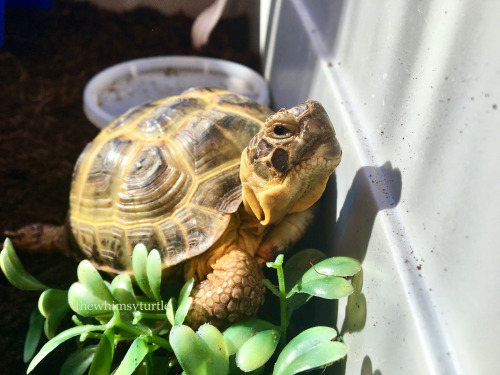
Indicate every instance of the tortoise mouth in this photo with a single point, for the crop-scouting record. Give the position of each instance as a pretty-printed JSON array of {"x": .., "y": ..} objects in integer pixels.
[
  {"x": 317, "y": 165},
  {"x": 321, "y": 152}
]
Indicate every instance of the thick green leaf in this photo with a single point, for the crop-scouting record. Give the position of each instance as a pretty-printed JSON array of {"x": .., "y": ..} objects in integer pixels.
[
  {"x": 91, "y": 279},
  {"x": 239, "y": 333},
  {"x": 154, "y": 273},
  {"x": 191, "y": 352},
  {"x": 78, "y": 362},
  {"x": 336, "y": 266},
  {"x": 134, "y": 357},
  {"x": 294, "y": 269},
  {"x": 171, "y": 307},
  {"x": 33, "y": 335},
  {"x": 322, "y": 355},
  {"x": 299, "y": 263},
  {"x": 329, "y": 287},
  {"x": 103, "y": 357},
  {"x": 257, "y": 350},
  {"x": 85, "y": 303},
  {"x": 184, "y": 302},
  {"x": 122, "y": 289},
  {"x": 182, "y": 310},
  {"x": 140, "y": 267},
  {"x": 235, "y": 370},
  {"x": 186, "y": 290},
  {"x": 310, "y": 349},
  {"x": 53, "y": 305},
  {"x": 59, "y": 339},
  {"x": 219, "y": 360},
  {"x": 14, "y": 270},
  {"x": 326, "y": 272},
  {"x": 50, "y": 299}
]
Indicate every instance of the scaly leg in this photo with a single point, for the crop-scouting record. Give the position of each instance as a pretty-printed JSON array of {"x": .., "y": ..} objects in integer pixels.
[
  {"x": 284, "y": 235},
  {"x": 39, "y": 238},
  {"x": 232, "y": 292}
]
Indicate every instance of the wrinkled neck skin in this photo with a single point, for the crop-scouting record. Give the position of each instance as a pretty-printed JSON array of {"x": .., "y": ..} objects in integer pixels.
[
  {"x": 286, "y": 166},
  {"x": 266, "y": 202}
]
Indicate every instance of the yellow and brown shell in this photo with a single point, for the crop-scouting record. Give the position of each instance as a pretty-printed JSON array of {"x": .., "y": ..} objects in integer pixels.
[{"x": 165, "y": 174}]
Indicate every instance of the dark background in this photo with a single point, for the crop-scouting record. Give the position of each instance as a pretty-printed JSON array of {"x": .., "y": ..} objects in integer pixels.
[{"x": 47, "y": 58}]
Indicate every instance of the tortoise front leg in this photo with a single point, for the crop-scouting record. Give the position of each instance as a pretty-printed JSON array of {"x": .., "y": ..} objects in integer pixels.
[
  {"x": 232, "y": 292},
  {"x": 284, "y": 235}
]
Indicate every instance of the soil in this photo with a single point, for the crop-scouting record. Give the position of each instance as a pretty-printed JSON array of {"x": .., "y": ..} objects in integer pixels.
[{"x": 47, "y": 58}]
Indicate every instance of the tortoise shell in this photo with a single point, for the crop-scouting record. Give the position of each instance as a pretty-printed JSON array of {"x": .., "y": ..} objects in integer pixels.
[{"x": 164, "y": 174}]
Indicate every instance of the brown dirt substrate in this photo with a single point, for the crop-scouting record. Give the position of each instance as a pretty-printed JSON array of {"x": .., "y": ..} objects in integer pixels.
[{"x": 47, "y": 58}]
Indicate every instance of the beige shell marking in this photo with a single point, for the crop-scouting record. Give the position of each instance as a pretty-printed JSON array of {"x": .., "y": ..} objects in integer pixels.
[{"x": 165, "y": 174}]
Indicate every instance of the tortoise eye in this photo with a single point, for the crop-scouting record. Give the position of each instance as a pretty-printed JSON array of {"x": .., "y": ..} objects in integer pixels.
[{"x": 281, "y": 131}]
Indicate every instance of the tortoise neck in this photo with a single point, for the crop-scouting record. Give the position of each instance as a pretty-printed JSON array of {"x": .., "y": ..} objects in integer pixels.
[
  {"x": 249, "y": 220},
  {"x": 265, "y": 202}
]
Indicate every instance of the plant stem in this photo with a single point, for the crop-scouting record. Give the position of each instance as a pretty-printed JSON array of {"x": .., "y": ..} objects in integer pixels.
[
  {"x": 138, "y": 330},
  {"x": 160, "y": 341},
  {"x": 271, "y": 287},
  {"x": 158, "y": 329},
  {"x": 284, "y": 323},
  {"x": 154, "y": 316},
  {"x": 93, "y": 335},
  {"x": 127, "y": 327}
]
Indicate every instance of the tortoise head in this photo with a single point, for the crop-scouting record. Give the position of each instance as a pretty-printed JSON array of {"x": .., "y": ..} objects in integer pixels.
[{"x": 286, "y": 166}]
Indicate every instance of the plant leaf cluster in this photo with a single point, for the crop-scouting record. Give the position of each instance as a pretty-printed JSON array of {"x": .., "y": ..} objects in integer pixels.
[{"x": 149, "y": 324}]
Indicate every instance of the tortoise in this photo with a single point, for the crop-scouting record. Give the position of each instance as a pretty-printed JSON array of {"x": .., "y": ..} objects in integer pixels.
[{"x": 216, "y": 181}]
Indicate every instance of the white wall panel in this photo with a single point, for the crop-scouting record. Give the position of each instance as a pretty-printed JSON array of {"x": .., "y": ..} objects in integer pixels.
[{"x": 413, "y": 88}]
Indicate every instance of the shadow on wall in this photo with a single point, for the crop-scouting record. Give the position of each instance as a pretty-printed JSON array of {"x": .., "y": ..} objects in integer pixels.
[
  {"x": 367, "y": 367},
  {"x": 373, "y": 189}
]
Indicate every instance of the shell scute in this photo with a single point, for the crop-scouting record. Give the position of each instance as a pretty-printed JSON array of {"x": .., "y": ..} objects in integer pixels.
[
  {"x": 128, "y": 117},
  {"x": 176, "y": 247},
  {"x": 113, "y": 239},
  {"x": 149, "y": 236},
  {"x": 96, "y": 189},
  {"x": 168, "y": 115},
  {"x": 238, "y": 129},
  {"x": 207, "y": 144},
  {"x": 200, "y": 227},
  {"x": 240, "y": 104},
  {"x": 87, "y": 240},
  {"x": 221, "y": 192},
  {"x": 165, "y": 174},
  {"x": 154, "y": 186}
]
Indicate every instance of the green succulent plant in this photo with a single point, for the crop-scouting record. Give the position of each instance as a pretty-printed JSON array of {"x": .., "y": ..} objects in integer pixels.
[{"x": 150, "y": 324}]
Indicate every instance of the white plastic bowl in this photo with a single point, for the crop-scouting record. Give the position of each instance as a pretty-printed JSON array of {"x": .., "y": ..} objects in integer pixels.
[{"x": 120, "y": 87}]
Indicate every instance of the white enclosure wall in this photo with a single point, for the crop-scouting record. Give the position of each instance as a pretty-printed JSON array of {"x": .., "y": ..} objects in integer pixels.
[{"x": 413, "y": 88}]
